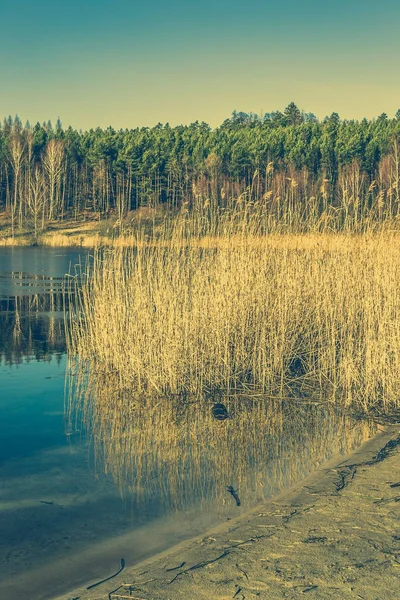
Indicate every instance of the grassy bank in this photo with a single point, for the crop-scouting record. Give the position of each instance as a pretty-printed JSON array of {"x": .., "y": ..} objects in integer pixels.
[
  {"x": 88, "y": 231},
  {"x": 60, "y": 233},
  {"x": 228, "y": 308}
]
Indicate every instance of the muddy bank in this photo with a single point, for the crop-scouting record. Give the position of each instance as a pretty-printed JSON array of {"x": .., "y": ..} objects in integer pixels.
[{"x": 334, "y": 535}]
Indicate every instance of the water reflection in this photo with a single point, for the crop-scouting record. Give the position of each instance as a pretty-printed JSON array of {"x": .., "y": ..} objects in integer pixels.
[
  {"x": 31, "y": 327},
  {"x": 52, "y": 506},
  {"x": 33, "y": 298},
  {"x": 32, "y": 338},
  {"x": 175, "y": 453}
]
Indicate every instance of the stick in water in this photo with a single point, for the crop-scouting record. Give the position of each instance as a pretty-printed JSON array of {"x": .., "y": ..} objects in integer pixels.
[
  {"x": 107, "y": 578},
  {"x": 234, "y": 494}
]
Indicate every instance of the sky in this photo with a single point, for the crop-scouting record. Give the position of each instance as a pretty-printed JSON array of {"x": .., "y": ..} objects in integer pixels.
[{"x": 131, "y": 64}]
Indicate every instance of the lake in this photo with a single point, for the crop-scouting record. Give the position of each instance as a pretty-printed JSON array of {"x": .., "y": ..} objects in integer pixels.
[{"x": 83, "y": 484}]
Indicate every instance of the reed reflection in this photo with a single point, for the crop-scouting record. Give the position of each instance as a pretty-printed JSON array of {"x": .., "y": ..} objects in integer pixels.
[{"x": 175, "y": 453}]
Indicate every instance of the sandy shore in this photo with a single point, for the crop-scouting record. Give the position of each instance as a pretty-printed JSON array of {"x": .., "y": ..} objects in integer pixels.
[{"x": 334, "y": 535}]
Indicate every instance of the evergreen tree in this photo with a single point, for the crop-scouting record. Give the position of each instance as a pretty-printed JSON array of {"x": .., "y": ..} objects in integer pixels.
[{"x": 292, "y": 115}]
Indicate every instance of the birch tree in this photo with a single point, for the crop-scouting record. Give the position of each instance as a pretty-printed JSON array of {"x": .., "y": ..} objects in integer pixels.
[
  {"x": 16, "y": 147},
  {"x": 53, "y": 167},
  {"x": 36, "y": 198}
]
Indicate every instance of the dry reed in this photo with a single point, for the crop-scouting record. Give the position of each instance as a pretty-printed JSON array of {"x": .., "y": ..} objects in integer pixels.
[
  {"x": 64, "y": 240},
  {"x": 15, "y": 241},
  {"x": 217, "y": 303}
]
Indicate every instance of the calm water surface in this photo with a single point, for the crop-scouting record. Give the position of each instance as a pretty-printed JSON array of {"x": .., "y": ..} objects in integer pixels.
[{"x": 132, "y": 477}]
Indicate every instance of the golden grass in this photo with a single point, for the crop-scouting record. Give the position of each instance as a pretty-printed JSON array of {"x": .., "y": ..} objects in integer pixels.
[
  {"x": 232, "y": 308},
  {"x": 63, "y": 240},
  {"x": 63, "y": 233},
  {"x": 8, "y": 241},
  {"x": 57, "y": 240},
  {"x": 165, "y": 325}
]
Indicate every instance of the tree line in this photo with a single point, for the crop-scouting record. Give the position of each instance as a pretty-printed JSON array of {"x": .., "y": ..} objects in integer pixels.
[{"x": 290, "y": 162}]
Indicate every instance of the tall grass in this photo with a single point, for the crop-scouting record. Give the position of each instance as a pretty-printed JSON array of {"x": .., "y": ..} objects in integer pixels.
[{"x": 220, "y": 300}]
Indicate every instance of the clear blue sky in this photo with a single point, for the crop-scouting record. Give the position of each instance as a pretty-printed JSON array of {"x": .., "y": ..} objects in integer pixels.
[{"x": 126, "y": 63}]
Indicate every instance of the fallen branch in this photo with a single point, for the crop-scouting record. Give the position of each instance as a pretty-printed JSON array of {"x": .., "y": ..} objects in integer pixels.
[
  {"x": 346, "y": 477},
  {"x": 242, "y": 571},
  {"x": 226, "y": 552},
  {"x": 200, "y": 565},
  {"x": 122, "y": 562},
  {"x": 178, "y": 567},
  {"x": 385, "y": 452}
]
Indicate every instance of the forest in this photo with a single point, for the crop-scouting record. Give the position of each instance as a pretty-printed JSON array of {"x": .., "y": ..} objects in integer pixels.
[{"x": 334, "y": 170}]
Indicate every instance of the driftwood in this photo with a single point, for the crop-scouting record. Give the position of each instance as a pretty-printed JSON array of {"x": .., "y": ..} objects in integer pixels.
[
  {"x": 385, "y": 452},
  {"x": 349, "y": 471},
  {"x": 108, "y": 578},
  {"x": 178, "y": 567},
  {"x": 200, "y": 565},
  {"x": 127, "y": 588},
  {"x": 238, "y": 590},
  {"x": 225, "y": 553}
]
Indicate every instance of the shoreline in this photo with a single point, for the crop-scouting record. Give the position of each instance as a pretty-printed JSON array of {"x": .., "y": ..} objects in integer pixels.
[
  {"x": 145, "y": 232},
  {"x": 58, "y": 239},
  {"x": 342, "y": 519}
]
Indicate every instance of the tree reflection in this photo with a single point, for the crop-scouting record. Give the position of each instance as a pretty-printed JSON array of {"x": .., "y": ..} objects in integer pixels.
[{"x": 31, "y": 327}]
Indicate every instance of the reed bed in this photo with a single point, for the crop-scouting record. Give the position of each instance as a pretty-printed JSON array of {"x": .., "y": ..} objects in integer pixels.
[
  {"x": 64, "y": 240},
  {"x": 219, "y": 304},
  {"x": 7, "y": 241}
]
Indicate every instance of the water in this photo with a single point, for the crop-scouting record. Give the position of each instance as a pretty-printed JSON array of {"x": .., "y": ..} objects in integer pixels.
[{"x": 132, "y": 477}]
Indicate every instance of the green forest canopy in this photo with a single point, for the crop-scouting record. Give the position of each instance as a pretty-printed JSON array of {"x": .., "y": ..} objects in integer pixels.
[{"x": 49, "y": 172}]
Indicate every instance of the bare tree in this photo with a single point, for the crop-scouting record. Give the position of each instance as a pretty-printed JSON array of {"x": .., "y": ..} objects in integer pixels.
[
  {"x": 121, "y": 199},
  {"x": 396, "y": 170},
  {"x": 16, "y": 155},
  {"x": 36, "y": 197},
  {"x": 53, "y": 166}
]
